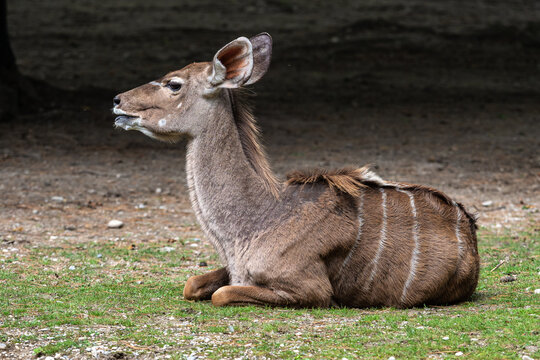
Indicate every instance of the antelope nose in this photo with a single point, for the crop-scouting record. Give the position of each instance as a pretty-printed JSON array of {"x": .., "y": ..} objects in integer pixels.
[{"x": 116, "y": 100}]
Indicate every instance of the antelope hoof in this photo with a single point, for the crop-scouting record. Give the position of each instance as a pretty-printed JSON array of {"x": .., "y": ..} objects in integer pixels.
[
  {"x": 192, "y": 290},
  {"x": 220, "y": 297}
]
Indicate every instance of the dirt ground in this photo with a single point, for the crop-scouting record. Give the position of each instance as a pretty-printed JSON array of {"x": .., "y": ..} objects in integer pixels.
[{"x": 443, "y": 95}]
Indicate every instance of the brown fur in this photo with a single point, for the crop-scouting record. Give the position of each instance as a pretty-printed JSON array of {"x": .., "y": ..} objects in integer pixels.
[
  {"x": 346, "y": 180},
  {"x": 342, "y": 237}
]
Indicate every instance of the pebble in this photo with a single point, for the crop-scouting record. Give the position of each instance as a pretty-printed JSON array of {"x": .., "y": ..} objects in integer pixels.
[
  {"x": 446, "y": 338},
  {"x": 391, "y": 358},
  {"x": 99, "y": 256},
  {"x": 537, "y": 291},
  {"x": 3, "y": 346},
  {"x": 70, "y": 227},
  {"x": 57, "y": 199},
  {"x": 115, "y": 224},
  {"x": 49, "y": 358},
  {"x": 167, "y": 249},
  {"x": 474, "y": 339},
  {"x": 203, "y": 264},
  {"x": 71, "y": 267},
  {"x": 459, "y": 353},
  {"x": 158, "y": 190},
  {"x": 487, "y": 203},
  {"x": 509, "y": 278},
  {"x": 231, "y": 329},
  {"x": 525, "y": 357}
]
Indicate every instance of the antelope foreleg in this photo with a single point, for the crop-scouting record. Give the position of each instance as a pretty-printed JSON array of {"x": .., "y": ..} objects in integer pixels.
[
  {"x": 201, "y": 287},
  {"x": 250, "y": 295}
]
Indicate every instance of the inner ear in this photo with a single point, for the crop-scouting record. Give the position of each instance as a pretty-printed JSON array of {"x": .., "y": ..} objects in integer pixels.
[{"x": 233, "y": 64}]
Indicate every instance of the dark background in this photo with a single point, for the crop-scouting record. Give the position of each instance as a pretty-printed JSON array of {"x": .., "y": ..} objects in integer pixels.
[
  {"x": 365, "y": 52},
  {"x": 445, "y": 93}
]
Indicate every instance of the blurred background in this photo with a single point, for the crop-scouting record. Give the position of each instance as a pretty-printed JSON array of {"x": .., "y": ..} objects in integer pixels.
[{"x": 445, "y": 93}]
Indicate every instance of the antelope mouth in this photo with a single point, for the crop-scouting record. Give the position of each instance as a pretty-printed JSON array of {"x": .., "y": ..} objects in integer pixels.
[{"x": 126, "y": 121}]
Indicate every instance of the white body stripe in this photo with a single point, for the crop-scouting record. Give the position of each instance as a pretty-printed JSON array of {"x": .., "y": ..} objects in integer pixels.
[
  {"x": 359, "y": 234},
  {"x": 459, "y": 241},
  {"x": 416, "y": 250},
  {"x": 382, "y": 242}
]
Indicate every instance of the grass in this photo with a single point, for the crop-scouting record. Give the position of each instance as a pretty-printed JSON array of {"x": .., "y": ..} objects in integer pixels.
[{"x": 84, "y": 298}]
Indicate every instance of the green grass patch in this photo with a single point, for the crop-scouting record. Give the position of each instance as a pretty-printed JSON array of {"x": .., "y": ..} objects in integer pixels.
[{"x": 79, "y": 296}]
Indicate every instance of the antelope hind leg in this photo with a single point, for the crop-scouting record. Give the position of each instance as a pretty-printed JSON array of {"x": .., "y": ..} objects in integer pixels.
[
  {"x": 249, "y": 295},
  {"x": 201, "y": 287}
]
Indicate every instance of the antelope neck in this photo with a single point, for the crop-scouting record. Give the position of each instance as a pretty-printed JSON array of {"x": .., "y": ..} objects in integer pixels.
[{"x": 228, "y": 196}]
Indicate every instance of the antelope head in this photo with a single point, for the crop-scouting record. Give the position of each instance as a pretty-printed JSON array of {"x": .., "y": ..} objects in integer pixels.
[{"x": 179, "y": 103}]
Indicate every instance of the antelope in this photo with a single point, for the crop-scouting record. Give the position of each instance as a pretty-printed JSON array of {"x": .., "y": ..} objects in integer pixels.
[{"x": 321, "y": 238}]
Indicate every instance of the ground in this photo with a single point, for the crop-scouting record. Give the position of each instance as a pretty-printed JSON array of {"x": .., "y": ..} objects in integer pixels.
[{"x": 408, "y": 89}]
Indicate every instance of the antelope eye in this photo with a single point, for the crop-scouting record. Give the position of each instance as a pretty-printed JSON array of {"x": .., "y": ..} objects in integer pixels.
[{"x": 174, "y": 85}]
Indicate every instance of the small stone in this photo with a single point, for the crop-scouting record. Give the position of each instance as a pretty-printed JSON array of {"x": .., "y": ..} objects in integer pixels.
[
  {"x": 70, "y": 227},
  {"x": 99, "y": 256},
  {"x": 525, "y": 357},
  {"x": 203, "y": 264},
  {"x": 71, "y": 267},
  {"x": 115, "y": 224},
  {"x": 391, "y": 358},
  {"x": 508, "y": 278},
  {"x": 459, "y": 353},
  {"x": 194, "y": 245},
  {"x": 474, "y": 339},
  {"x": 230, "y": 328},
  {"x": 158, "y": 190},
  {"x": 487, "y": 203},
  {"x": 35, "y": 211},
  {"x": 3, "y": 346},
  {"x": 58, "y": 199},
  {"x": 537, "y": 291},
  {"x": 49, "y": 358},
  {"x": 167, "y": 249},
  {"x": 446, "y": 338}
]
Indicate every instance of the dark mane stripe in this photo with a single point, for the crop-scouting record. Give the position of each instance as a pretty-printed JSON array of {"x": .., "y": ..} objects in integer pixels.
[{"x": 249, "y": 137}]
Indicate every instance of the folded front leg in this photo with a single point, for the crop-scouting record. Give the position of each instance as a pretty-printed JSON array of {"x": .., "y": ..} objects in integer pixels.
[
  {"x": 255, "y": 295},
  {"x": 201, "y": 287}
]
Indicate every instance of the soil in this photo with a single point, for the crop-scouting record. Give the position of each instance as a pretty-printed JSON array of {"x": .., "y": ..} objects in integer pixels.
[{"x": 439, "y": 94}]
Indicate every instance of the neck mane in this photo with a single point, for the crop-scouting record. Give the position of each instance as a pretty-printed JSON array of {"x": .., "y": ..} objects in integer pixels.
[{"x": 249, "y": 134}]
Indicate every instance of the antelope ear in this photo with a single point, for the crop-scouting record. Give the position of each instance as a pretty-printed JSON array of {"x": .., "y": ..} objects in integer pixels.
[
  {"x": 262, "y": 53},
  {"x": 233, "y": 64}
]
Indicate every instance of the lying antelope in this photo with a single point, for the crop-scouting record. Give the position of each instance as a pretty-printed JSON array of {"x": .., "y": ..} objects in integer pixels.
[{"x": 322, "y": 238}]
